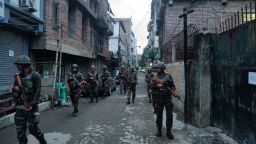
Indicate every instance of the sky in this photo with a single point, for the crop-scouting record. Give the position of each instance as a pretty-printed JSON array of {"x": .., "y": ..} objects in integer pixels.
[{"x": 139, "y": 11}]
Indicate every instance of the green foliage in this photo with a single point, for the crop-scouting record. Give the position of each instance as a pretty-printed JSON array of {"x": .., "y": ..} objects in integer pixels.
[{"x": 149, "y": 55}]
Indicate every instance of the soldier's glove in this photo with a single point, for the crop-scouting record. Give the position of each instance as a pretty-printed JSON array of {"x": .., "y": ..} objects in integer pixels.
[
  {"x": 13, "y": 106},
  {"x": 174, "y": 93},
  {"x": 28, "y": 109},
  {"x": 16, "y": 88},
  {"x": 160, "y": 85}
]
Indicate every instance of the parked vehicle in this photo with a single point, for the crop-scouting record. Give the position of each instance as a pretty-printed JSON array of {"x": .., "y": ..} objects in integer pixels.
[
  {"x": 142, "y": 70},
  {"x": 115, "y": 76}
]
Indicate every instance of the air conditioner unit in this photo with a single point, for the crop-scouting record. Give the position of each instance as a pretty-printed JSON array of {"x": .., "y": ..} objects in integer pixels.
[
  {"x": 224, "y": 2},
  {"x": 27, "y": 5},
  {"x": 170, "y": 3}
]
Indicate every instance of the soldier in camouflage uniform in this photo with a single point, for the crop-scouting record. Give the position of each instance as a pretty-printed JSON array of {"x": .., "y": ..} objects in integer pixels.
[
  {"x": 132, "y": 81},
  {"x": 105, "y": 79},
  {"x": 163, "y": 86},
  {"x": 31, "y": 85},
  {"x": 74, "y": 83},
  {"x": 122, "y": 76},
  {"x": 148, "y": 78},
  {"x": 91, "y": 78},
  {"x": 153, "y": 93}
]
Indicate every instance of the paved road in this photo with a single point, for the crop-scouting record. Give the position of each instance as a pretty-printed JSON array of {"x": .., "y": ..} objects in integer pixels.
[{"x": 110, "y": 121}]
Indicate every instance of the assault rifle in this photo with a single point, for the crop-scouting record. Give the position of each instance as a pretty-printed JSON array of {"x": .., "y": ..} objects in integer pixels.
[
  {"x": 173, "y": 93},
  {"x": 22, "y": 92},
  {"x": 83, "y": 82}
]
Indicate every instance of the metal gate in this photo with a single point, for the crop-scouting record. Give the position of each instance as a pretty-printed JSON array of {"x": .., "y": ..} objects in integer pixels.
[
  {"x": 233, "y": 98},
  {"x": 11, "y": 45}
]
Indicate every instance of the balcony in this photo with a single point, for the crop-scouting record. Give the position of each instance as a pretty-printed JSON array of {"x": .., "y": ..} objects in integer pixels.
[{"x": 103, "y": 20}]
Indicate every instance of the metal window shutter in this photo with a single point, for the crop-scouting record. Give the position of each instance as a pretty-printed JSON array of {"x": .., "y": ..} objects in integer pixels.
[{"x": 19, "y": 45}]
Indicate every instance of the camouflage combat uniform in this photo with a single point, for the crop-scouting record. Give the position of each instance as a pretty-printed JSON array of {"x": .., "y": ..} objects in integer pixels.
[
  {"x": 148, "y": 78},
  {"x": 105, "y": 81},
  {"x": 123, "y": 78},
  {"x": 31, "y": 83},
  {"x": 93, "y": 85},
  {"x": 131, "y": 85},
  {"x": 163, "y": 99},
  {"x": 74, "y": 83}
]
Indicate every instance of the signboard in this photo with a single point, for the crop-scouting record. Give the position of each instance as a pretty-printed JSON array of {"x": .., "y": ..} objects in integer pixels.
[
  {"x": 1, "y": 10},
  {"x": 11, "y": 53},
  {"x": 252, "y": 78}
]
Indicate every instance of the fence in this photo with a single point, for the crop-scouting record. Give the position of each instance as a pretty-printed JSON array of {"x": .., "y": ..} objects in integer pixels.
[
  {"x": 233, "y": 98},
  {"x": 246, "y": 14}
]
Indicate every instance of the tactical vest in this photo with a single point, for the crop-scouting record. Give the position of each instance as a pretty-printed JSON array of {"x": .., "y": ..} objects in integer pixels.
[
  {"x": 76, "y": 79},
  {"x": 163, "y": 93},
  {"x": 27, "y": 84}
]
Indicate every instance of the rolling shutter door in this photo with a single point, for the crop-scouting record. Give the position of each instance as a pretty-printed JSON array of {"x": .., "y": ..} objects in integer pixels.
[{"x": 11, "y": 45}]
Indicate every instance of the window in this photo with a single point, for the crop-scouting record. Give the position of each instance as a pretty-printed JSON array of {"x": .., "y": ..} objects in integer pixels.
[
  {"x": 84, "y": 29},
  {"x": 55, "y": 14},
  {"x": 250, "y": 17},
  {"x": 72, "y": 21}
]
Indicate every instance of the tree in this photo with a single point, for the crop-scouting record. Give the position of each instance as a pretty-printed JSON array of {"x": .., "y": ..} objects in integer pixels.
[{"x": 149, "y": 54}]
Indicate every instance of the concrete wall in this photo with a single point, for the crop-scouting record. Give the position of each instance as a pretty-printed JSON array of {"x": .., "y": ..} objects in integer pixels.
[
  {"x": 116, "y": 29},
  {"x": 177, "y": 72},
  {"x": 114, "y": 40},
  {"x": 113, "y": 44},
  {"x": 199, "y": 83}
]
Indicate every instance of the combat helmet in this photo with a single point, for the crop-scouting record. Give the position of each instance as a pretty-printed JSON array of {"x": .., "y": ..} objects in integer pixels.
[
  {"x": 74, "y": 66},
  {"x": 104, "y": 67},
  {"x": 161, "y": 65},
  {"x": 23, "y": 59}
]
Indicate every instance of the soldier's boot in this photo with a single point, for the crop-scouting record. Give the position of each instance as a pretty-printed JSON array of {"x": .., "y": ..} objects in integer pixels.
[
  {"x": 42, "y": 140},
  {"x": 154, "y": 111},
  {"x": 96, "y": 100},
  {"x": 128, "y": 101},
  {"x": 159, "y": 132},
  {"x": 75, "y": 112},
  {"x": 169, "y": 134},
  {"x": 133, "y": 100},
  {"x": 150, "y": 101},
  {"x": 91, "y": 100}
]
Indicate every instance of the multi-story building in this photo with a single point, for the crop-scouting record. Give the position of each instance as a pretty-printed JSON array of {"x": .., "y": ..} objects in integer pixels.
[
  {"x": 153, "y": 38},
  {"x": 117, "y": 43},
  {"x": 128, "y": 42},
  {"x": 76, "y": 31},
  {"x": 20, "y": 22},
  {"x": 166, "y": 24},
  {"x": 133, "y": 50}
]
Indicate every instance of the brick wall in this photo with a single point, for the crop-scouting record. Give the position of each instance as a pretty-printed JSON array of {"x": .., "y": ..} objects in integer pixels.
[
  {"x": 177, "y": 72},
  {"x": 204, "y": 16},
  {"x": 52, "y": 33}
]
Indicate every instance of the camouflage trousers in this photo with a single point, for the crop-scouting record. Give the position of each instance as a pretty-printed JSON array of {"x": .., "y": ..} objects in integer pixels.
[
  {"x": 123, "y": 87},
  {"x": 74, "y": 99},
  {"x": 93, "y": 94},
  {"x": 22, "y": 118},
  {"x": 149, "y": 94},
  {"x": 153, "y": 96},
  {"x": 159, "y": 107},
  {"x": 131, "y": 92}
]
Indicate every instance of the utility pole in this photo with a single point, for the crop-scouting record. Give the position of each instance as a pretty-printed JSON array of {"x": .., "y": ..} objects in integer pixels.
[
  {"x": 185, "y": 14},
  {"x": 58, "y": 59}
]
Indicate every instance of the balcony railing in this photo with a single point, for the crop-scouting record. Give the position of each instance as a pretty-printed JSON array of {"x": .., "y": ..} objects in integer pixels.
[{"x": 106, "y": 21}]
